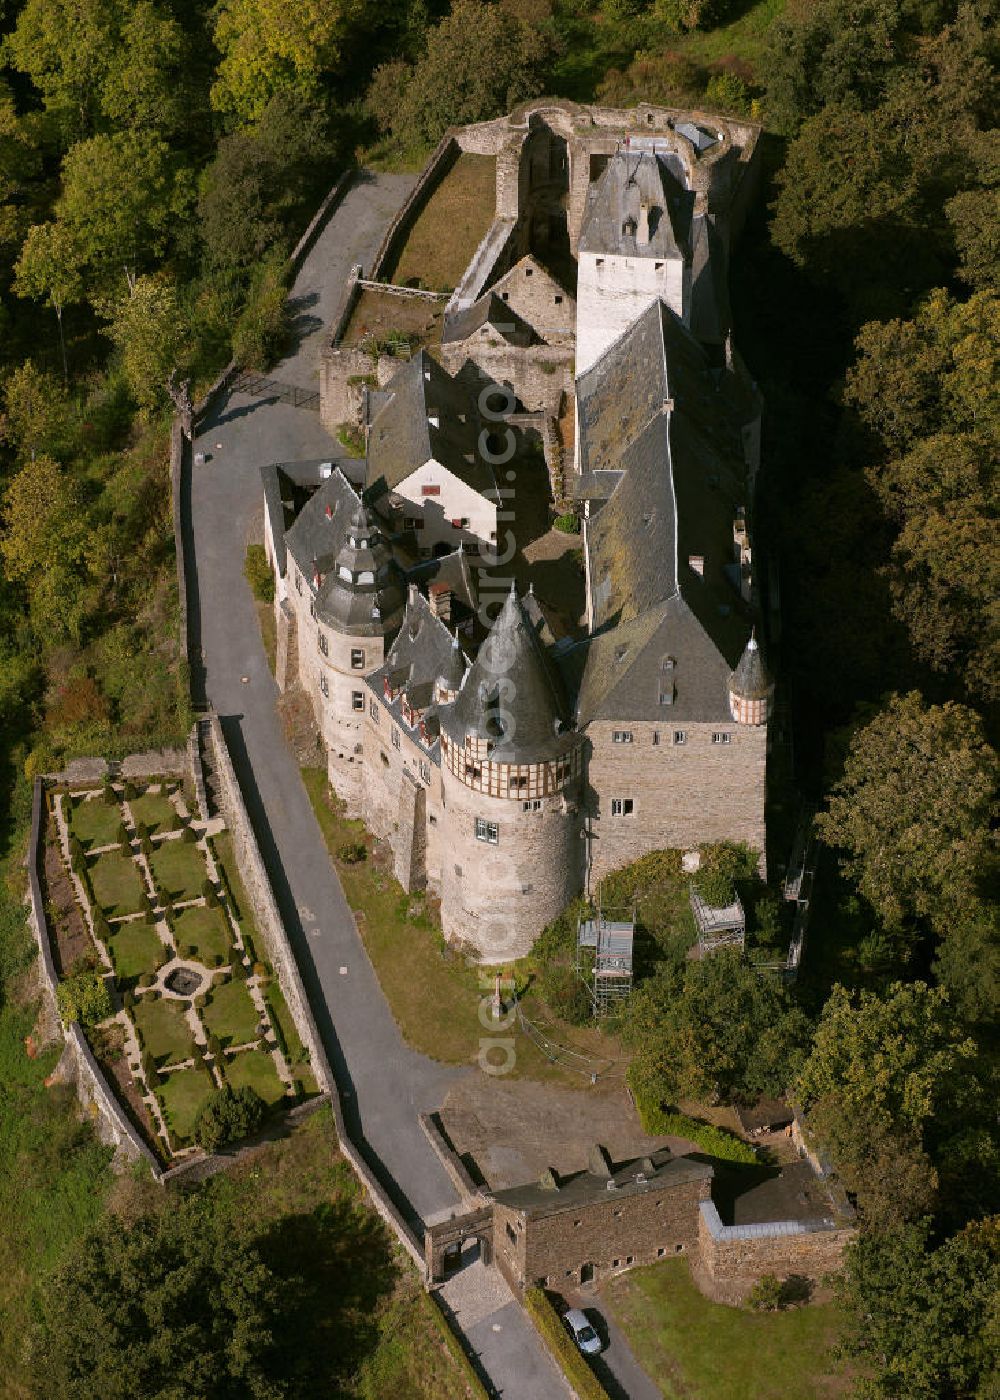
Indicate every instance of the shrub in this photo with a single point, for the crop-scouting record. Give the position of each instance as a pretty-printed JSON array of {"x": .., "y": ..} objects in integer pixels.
[
  {"x": 85, "y": 998},
  {"x": 189, "y": 950},
  {"x": 228, "y": 1115},
  {"x": 77, "y": 856},
  {"x": 102, "y": 929},
  {"x": 124, "y": 840},
  {"x": 279, "y": 1036},
  {"x": 176, "y": 822},
  {"x": 248, "y": 949},
  {"x": 581, "y": 1378},
  {"x": 659, "y": 1121},
  {"x": 767, "y": 1294},
  {"x": 565, "y": 993},
  {"x": 215, "y": 1046},
  {"x": 569, "y": 523},
  {"x": 130, "y": 792},
  {"x": 260, "y": 971},
  {"x": 209, "y": 892},
  {"x": 108, "y": 794},
  {"x": 257, "y": 572},
  {"x": 141, "y": 833},
  {"x": 218, "y": 960},
  {"x": 200, "y": 1001},
  {"x": 149, "y": 1068},
  {"x": 147, "y": 979},
  {"x": 351, "y": 852},
  {"x": 128, "y": 1000},
  {"x": 352, "y": 438},
  {"x": 261, "y": 332},
  {"x": 189, "y": 834}
]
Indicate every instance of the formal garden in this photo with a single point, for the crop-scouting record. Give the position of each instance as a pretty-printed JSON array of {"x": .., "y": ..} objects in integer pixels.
[{"x": 161, "y": 963}]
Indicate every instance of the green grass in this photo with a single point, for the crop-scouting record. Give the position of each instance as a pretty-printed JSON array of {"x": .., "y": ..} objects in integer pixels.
[
  {"x": 136, "y": 948},
  {"x": 745, "y": 37},
  {"x": 117, "y": 884},
  {"x": 280, "y": 1013},
  {"x": 450, "y": 227},
  {"x": 256, "y": 1069},
  {"x": 182, "y": 1095},
  {"x": 179, "y": 869},
  {"x": 95, "y": 822},
  {"x": 206, "y": 930},
  {"x": 164, "y": 1029},
  {"x": 231, "y": 1015},
  {"x": 154, "y": 810},
  {"x": 225, "y": 857},
  {"x": 696, "y": 1347}
]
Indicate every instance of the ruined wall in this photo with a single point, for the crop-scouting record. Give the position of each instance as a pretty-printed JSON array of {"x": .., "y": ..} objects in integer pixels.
[
  {"x": 741, "y": 1254},
  {"x": 684, "y": 795},
  {"x": 623, "y": 1232},
  {"x": 499, "y": 897}
]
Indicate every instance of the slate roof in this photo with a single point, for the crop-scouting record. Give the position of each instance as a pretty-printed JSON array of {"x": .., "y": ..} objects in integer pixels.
[
  {"x": 612, "y": 213},
  {"x": 513, "y": 697},
  {"x": 490, "y": 311},
  {"x": 422, "y": 651},
  {"x": 537, "y": 1200},
  {"x": 402, "y": 437},
  {"x": 315, "y": 538},
  {"x": 750, "y": 680},
  {"x": 651, "y": 409}
]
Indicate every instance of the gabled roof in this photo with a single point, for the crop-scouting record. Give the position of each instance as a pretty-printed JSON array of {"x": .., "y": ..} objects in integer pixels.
[
  {"x": 513, "y": 698},
  {"x": 536, "y": 1200},
  {"x": 319, "y": 531},
  {"x": 490, "y": 312},
  {"x": 428, "y": 415},
  {"x": 614, "y": 221},
  {"x": 660, "y": 550}
]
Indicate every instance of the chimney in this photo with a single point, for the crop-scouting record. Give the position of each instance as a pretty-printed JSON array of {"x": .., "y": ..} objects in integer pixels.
[
  {"x": 642, "y": 235},
  {"x": 439, "y": 597},
  {"x": 598, "y": 1161}
]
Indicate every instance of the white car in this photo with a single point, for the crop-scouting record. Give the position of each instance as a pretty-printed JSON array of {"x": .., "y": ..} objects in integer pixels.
[{"x": 582, "y": 1333}]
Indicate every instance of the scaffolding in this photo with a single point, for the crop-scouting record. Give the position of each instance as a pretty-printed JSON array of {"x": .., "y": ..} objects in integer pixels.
[
  {"x": 722, "y": 926},
  {"x": 608, "y": 975}
]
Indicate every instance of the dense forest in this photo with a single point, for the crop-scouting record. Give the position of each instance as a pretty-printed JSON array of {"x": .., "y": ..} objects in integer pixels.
[{"x": 158, "y": 159}]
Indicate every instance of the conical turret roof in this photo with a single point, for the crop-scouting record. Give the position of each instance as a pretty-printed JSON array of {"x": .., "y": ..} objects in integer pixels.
[
  {"x": 453, "y": 670},
  {"x": 364, "y": 592},
  {"x": 512, "y": 697},
  {"x": 750, "y": 680}
]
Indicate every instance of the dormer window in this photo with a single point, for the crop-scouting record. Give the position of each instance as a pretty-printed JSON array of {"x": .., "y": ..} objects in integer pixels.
[
  {"x": 434, "y": 420},
  {"x": 696, "y": 563},
  {"x": 345, "y": 573},
  {"x": 667, "y": 667},
  {"x": 366, "y": 576}
]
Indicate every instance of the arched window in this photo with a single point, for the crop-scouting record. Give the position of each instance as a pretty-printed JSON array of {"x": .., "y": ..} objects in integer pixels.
[{"x": 667, "y": 669}]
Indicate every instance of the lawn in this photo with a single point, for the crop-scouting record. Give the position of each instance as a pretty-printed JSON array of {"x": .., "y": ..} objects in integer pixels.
[
  {"x": 95, "y": 822},
  {"x": 136, "y": 948},
  {"x": 182, "y": 1095},
  {"x": 154, "y": 810},
  {"x": 745, "y": 37},
  {"x": 256, "y": 1068},
  {"x": 204, "y": 929},
  {"x": 225, "y": 856},
  {"x": 450, "y": 227},
  {"x": 231, "y": 1015},
  {"x": 165, "y": 1031},
  {"x": 434, "y": 993},
  {"x": 696, "y": 1347},
  {"x": 179, "y": 869},
  {"x": 118, "y": 886}
]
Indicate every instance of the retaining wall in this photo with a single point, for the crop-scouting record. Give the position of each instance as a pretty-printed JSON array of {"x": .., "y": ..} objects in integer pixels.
[
  {"x": 48, "y": 979},
  {"x": 274, "y": 934},
  {"x": 442, "y": 158},
  {"x": 741, "y": 1254},
  {"x": 98, "y": 1100}
]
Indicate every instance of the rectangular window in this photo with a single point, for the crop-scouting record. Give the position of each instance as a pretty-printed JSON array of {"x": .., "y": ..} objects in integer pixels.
[
  {"x": 324, "y": 645},
  {"x": 358, "y": 700},
  {"x": 324, "y": 685},
  {"x": 395, "y": 737},
  {"x": 621, "y": 736},
  {"x": 312, "y": 609},
  {"x": 656, "y": 736},
  {"x": 533, "y": 806},
  {"x": 721, "y": 737},
  {"x": 622, "y": 806},
  {"x": 487, "y": 831},
  {"x": 518, "y": 784},
  {"x": 425, "y": 772},
  {"x": 558, "y": 301},
  {"x": 430, "y": 490},
  {"x": 357, "y": 658},
  {"x": 373, "y": 710},
  {"x": 680, "y": 736},
  {"x": 298, "y": 583},
  {"x": 510, "y": 1233}
]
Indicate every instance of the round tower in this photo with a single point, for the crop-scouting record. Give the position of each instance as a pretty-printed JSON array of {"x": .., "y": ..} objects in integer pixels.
[
  {"x": 750, "y": 690},
  {"x": 359, "y": 604},
  {"x": 511, "y": 770}
]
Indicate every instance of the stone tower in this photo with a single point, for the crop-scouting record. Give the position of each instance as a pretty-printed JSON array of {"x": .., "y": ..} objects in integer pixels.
[
  {"x": 750, "y": 689},
  {"x": 359, "y": 604},
  {"x": 511, "y": 776}
]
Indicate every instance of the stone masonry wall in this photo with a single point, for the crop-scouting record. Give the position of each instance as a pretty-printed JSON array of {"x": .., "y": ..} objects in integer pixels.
[
  {"x": 625, "y": 1231},
  {"x": 731, "y": 1254},
  {"x": 501, "y": 897},
  {"x": 685, "y": 795}
]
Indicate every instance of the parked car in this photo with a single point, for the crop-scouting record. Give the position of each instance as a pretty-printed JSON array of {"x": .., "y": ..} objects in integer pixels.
[{"x": 582, "y": 1333}]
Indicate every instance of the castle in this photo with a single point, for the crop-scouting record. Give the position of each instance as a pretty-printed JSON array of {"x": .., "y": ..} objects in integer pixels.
[{"x": 514, "y": 714}]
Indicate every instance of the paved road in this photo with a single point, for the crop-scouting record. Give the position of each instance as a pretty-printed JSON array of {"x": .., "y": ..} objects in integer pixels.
[{"x": 385, "y": 1084}]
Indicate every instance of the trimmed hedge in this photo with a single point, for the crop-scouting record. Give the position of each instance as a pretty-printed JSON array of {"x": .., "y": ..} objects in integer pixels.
[
  {"x": 716, "y": 1142},
  {"x": 567, "y": 1354}
]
